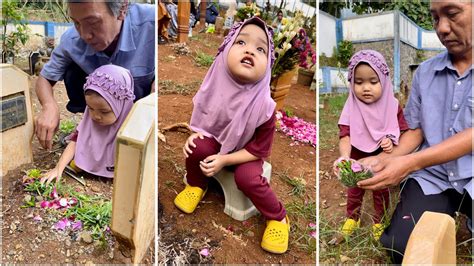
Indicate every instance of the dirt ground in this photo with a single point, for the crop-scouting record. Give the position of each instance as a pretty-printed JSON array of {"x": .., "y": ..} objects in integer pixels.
[
  {"x": 26, "y": 241},
  {"x": 228, "y": 240}
]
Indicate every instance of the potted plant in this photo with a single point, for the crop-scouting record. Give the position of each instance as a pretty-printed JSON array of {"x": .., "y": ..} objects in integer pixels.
[
  {"x": 18, "y": 35},
  {"x": 292, "y": 47}
]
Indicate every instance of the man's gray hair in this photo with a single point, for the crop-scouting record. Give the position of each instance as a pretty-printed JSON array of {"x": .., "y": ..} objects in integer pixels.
[{"x": 114, "y": 6}]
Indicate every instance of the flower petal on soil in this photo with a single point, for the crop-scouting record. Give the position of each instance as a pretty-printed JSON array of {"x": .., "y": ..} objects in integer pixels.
[
  {"x": 297, "y": 129},
  {"x": 62, "y": 224},
  {"x": 63, "y": 202},
  {"x": 54, "y": 194},
  {"x": 44, "y": 204},
  {"x": 312, "y": 234},
  {"x": 37, "y": 218},
  {"x": 204, "y": 252},
  {"x": 76, "y": 225},
  {"x": 312, "y": 225}
]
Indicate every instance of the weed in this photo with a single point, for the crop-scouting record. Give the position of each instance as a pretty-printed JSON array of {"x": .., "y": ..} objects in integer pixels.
[
  {"x": 298, "y": 184},
  {"x": 169, "y": 183},
  {"x": 203, "y": 59}
]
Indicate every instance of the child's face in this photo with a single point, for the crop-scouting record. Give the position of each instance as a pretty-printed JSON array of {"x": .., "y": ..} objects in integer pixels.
[
  {"x": 367, "y": 87},
  {"x": 247, "y": 58},
  {"x": 100, "y": 110}
]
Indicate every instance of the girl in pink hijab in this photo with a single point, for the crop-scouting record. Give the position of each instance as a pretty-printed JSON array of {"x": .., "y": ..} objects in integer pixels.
[
  {"x": 370, "y": 123},
  {"x": 234, "y": 122},
  {"x": 109, "y": 98}
]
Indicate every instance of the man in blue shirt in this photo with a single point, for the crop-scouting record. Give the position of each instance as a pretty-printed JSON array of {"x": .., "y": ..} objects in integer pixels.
[
  {"x": 108, "y": 32},
  {"x": 439, "y": 114}
]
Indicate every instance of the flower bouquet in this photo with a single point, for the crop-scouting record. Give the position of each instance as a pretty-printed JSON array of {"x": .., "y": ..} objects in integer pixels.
[{"x": 349, "y": 171}]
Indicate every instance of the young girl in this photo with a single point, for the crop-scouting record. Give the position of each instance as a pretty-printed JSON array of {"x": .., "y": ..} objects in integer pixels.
[
  {"x": 233, "y": 119},
  {"x": 370, "y": 123},
  {"x": 109, "y": 98}
]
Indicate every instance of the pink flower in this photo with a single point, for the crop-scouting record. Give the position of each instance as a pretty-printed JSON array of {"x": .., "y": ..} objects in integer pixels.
[
  {"x": 37, "y": 218},
  {"x": 312, "y": 234},
  {"x": 356, "y": 167},
  {"x": 54, "y": 194},
  {"x": 76, "y": 225},
  {"x": 44, "y": 204},
  {"x": 62, "y": 224},
  {"x": 204, "y": 252},
  {"x": 312, "y": 225},
  {"x": 63, "y": 202}
]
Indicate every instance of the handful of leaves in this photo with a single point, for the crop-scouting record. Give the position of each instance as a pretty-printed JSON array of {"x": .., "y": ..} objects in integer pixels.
[{"x": 349, "y": 171}]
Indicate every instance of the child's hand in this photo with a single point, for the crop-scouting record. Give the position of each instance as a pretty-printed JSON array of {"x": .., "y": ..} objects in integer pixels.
[
  {"x": 335, "y": 170},
  {"x": 50, "y": 176},
  {"x": 386, "y": 145},
  {"x": 190, "y": 143},
  {"x": 212, "y": 164}
]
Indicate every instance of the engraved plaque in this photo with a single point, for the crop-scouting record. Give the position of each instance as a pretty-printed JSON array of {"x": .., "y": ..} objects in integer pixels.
[{"x": 13, "y": 111}]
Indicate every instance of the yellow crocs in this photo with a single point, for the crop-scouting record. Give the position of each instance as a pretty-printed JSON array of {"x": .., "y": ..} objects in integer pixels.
[
  {"x": 350, "y": 225},
  {"x": 74, "y": 167},
  {"x": 377, "y": 230},
  {"x": 188, "y": 199},
  {"x": 275, "y": 237}
]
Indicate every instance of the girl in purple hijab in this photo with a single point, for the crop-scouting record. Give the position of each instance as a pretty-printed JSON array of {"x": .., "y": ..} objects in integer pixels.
[
  {"x": 109, "y": 98},
  {"x": 370, "y": 123},
  {"x": 234, "y": 122}
]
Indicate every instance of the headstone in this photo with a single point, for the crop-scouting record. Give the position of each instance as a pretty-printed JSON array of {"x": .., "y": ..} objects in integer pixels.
[
  {"x": 133, "y": 200},
  {"x": 432, "y": 241},
  {"x": 17, "y": 119}
]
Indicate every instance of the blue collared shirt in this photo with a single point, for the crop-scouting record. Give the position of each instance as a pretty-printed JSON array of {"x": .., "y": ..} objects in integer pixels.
[
  {"x": 441, "y": 105},
  {"x": 135, "y": 51}
]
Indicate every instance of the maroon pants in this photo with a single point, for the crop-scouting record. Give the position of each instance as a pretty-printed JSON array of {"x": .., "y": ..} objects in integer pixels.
[
  {"x": 354, "y": 203},
  {"x": 248, "y": 177}
]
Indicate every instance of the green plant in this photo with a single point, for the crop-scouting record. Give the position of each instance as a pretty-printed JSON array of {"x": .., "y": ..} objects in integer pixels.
[
  {"x": 11, "y": 13},
  {"x": 67, "y": 127},
  {"x": 203, "y": 59},
  {"x": 298, "y": 184},
  {"x": 345, "y": 50}
]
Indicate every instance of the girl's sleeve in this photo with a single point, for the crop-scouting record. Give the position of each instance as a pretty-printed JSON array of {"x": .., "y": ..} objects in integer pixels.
[
  {"x": 402, "y": 123},
  {"x": 261, "y": 143},
  {"x": 344, "y": 131},
  {"x": 73, "y": 136}
]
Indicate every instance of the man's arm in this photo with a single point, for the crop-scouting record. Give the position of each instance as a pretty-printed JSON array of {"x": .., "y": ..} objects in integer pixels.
[
  {"x": 46, "y": 123},
  {"x": 391, "y": 171}
]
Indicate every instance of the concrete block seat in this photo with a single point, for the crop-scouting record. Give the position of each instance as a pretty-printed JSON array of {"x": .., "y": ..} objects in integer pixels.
[{"x": 237, "y": 205}]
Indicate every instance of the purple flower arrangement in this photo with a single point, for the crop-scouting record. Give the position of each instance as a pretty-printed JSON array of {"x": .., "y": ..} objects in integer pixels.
[{"x": 349, "y": 171}]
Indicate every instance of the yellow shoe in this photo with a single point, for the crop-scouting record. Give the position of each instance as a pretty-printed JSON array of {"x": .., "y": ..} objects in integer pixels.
[
  {"x": 188, "y": 199},
  {"x": 350, "y": 225},
  {"x": 377, "y": 230},
  {"x": 275, "y": 237},
  {"x": 74, "y": 167}
]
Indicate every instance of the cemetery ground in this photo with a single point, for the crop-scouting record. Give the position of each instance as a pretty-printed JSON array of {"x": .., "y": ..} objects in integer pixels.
[
  {"x": 360, "y": 248},
  {"x": 209, "y": 235},
  {"x": 29, "y": 232}
]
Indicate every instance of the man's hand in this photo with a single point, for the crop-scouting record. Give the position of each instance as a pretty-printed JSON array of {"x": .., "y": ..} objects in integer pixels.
[
  {"x": 46, "y": 124},
  {"x": 389, "y": 172},
  {"x": 387, "y": 145},
  {"x": 212, "y": 164},
  {"x": 190, "y": 143}
]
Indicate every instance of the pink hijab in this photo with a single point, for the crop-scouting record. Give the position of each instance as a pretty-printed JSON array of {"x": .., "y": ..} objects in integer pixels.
[
  {"x": 95, "y": 147},
  {"x": 226, "y": 109},
  {"x": 370, "y": 123}
]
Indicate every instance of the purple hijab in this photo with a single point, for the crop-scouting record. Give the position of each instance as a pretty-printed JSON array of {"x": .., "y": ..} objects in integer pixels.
[
  {"x": 370, "y": 123},
  {"x": 95, "y": 147},
  {"x": 226, "y": 109}
]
